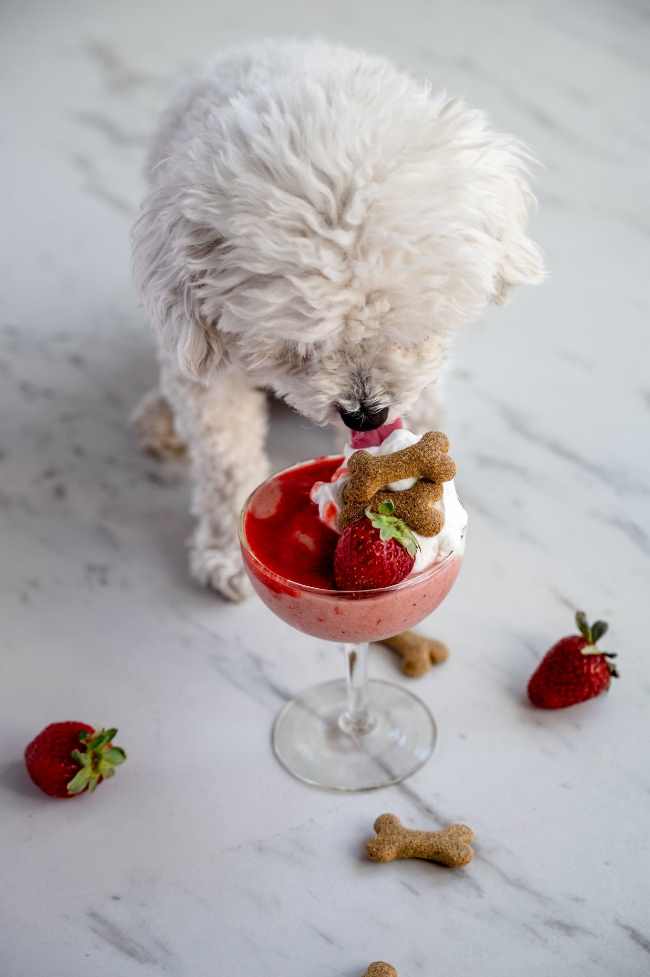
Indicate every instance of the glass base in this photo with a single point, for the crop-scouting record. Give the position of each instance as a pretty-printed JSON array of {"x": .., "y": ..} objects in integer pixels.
[{"x": 313, "y": 741}]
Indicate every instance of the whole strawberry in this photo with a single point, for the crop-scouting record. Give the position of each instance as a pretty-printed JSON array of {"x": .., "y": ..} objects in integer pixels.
[
  {"x": 66, "y": 759},
  {"x": 574, "y": 670},
  {"x": 376, "y": 551}
]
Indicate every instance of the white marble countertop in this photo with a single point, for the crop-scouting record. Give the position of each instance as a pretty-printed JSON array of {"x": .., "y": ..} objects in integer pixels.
[{"x": 203, "y": 858}]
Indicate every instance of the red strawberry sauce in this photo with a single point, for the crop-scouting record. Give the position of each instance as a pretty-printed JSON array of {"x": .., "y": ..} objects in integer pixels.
[
  {"x": 287, "y": 550},
  {"x": 284, "y": 530}
]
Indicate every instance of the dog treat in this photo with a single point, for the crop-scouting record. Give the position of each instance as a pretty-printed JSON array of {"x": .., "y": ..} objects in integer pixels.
[
  {"x": 418, "y": 653},
  {"x": 447, "y": 847},
  {"x": 415, "y": 506},
  {"x": 427, "y": 461},
  {"x": 380, "y": 969}
]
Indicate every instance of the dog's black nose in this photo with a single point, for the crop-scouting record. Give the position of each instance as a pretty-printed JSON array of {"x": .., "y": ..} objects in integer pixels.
[{"x": 365, "y": 418}]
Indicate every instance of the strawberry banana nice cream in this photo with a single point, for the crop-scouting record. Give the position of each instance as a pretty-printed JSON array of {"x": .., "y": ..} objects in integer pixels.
[{"x": 360, "y": 547}]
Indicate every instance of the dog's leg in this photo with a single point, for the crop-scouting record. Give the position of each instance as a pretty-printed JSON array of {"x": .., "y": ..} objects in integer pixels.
[
  {"x": 153, "y": 422},
  {"x": 224, "y": 426},
  {"x": 428, "y": 413}
]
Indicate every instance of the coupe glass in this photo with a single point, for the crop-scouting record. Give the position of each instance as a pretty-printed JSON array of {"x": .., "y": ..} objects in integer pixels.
[{"x": 350, "y": 734}]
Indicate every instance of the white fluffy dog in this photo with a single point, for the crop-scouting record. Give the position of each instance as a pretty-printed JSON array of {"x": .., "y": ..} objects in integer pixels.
[{"x": 318, "y": 224}]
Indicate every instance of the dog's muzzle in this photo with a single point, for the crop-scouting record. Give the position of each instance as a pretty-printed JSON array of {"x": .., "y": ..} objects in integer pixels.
[{"x": 365, "y": 418}]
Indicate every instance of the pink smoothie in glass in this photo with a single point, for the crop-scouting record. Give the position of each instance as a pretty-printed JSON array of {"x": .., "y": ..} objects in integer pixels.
[{"x": 289, "y": 553}]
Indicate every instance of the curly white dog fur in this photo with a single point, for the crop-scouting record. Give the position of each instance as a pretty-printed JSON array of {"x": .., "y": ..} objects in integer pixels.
[{"x": 318, "y": 224}]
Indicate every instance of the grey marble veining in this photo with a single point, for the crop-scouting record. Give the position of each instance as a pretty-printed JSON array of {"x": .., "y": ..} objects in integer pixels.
[{"x": 204, "y": 858}]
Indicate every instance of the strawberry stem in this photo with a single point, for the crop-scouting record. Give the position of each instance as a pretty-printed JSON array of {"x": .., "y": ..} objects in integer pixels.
[
  {"x": 390, "y": 527},
  {"x": 97, "y": 760},
  {"x": 591, "y": 633}
]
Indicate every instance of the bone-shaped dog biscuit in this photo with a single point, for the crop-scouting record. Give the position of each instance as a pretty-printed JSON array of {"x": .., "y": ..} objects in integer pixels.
[
  {"x": 427, "y": 460},
  {"x": 418, "y": 653},
  {"x": 448, "y": 847},
  {"x": 380, "y": 969},
  {"x": 415, "y": 506}
]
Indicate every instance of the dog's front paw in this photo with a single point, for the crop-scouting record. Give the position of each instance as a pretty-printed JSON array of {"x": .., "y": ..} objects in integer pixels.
[{"x": 221, "y": 570}]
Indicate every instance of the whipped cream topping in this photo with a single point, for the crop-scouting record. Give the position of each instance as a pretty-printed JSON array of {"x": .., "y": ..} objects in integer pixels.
[{"x": 451, "y": 539}]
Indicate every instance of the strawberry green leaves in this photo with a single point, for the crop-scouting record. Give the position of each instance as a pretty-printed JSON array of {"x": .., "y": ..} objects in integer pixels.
[
  {"x": 591, "y": 633},
  {"x": 390, "y": 527},
  {"x": 97, "y": 761}
]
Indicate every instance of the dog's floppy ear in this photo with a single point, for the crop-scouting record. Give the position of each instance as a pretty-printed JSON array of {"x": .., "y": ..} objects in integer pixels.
[
  {"x": 520, "y": 261},
  {"x": 174, "y": 260}
]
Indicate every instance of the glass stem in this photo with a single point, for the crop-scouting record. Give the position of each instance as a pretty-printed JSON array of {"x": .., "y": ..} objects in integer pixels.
[{"x": 356, "y": 720}]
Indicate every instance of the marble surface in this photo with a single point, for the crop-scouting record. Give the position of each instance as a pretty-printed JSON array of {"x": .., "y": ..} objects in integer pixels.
[{"x": 204, "y": 858}]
